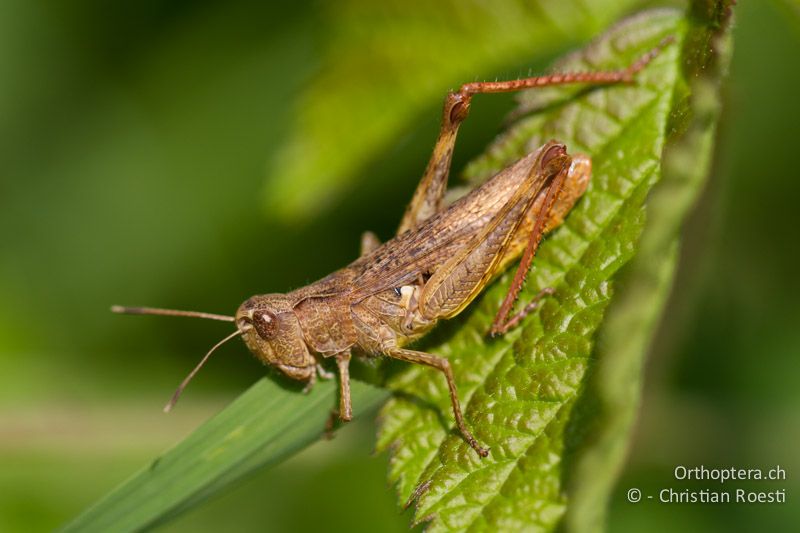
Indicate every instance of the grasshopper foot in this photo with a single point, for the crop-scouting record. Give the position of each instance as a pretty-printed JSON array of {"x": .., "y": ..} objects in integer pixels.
[
  {"x": 310, "y": 383},
  {"x": 324, "y": 374},
  {"x": 483, "y": 452},
  {"x": 533, "y": 305}
]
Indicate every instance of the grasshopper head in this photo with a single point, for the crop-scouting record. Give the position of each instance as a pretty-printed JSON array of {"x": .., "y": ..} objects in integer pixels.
[{"x": 272, "y": 332}]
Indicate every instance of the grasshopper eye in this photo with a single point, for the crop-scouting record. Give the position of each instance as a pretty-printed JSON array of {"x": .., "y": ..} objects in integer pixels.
[{"x": 265, "y": 323}]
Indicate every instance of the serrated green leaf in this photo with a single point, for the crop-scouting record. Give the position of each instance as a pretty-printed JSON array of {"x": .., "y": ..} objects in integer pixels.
[
  {"x": 521, "y": 391},
  {"x": 386, "y": 61}
]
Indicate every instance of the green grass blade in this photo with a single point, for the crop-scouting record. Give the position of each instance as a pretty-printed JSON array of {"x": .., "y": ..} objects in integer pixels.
[{"x": 263, "y": 426}]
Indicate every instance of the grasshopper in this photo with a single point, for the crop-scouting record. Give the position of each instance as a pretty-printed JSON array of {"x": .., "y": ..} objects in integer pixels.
[{"x": 441, "y": 259}]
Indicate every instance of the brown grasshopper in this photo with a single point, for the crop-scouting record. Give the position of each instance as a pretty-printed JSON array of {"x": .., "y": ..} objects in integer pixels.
[{"x": 440, "y": 260}]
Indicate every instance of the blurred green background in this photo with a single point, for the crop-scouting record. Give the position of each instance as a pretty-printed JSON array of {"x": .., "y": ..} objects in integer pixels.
[{"x": 135, "y": 141}]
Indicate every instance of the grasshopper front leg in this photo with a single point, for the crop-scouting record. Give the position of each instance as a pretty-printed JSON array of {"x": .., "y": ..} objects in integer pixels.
[{"x": 345, "y": 413}]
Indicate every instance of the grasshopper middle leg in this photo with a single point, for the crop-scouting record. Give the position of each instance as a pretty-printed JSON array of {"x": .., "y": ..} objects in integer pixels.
[
  {"x": 442, "y": 364},
  {"x": 345, "y": 407}
]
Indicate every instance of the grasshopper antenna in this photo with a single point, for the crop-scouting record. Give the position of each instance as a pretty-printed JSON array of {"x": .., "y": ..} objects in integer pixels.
[
  {"x": 193, "y": 314},
  {"x": 187, "y": 379},
  {"x": 168, "y": 312}
]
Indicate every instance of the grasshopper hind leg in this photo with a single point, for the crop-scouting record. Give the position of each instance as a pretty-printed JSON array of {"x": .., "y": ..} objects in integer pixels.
[
  {"x": 532, "y": 306},
  {"x": 561, "y": 196},
  {"x": 428, "y": 199}
]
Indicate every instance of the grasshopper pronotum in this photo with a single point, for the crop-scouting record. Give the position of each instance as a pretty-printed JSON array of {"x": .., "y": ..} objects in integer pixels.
[{"x": 440, "y": 260}]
